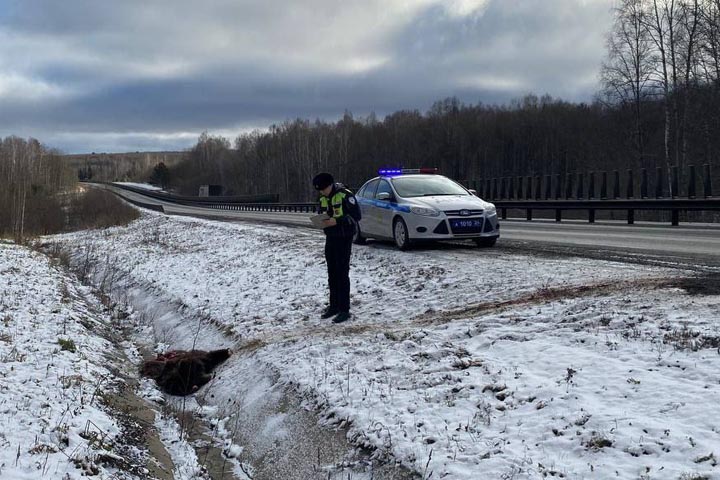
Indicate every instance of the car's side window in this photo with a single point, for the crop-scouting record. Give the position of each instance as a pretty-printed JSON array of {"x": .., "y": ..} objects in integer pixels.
[
  {"x": 384, "y": 187},
  {"x": 369, "y": 190}
]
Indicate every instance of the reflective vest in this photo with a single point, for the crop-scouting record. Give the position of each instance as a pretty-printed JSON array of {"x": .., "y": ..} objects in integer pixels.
[{"x": 337, "y": 204}]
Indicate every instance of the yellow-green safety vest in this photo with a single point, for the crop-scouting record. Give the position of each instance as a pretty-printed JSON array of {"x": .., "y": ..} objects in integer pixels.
[{"x": 337, "y": 204}]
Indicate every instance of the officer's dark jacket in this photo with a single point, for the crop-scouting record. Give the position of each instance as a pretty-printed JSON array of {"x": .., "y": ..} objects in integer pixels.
[{"x": 343, "y": 207}]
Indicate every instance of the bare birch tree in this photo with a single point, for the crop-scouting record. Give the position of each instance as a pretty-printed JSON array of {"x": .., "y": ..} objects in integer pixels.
[{"x": 628, "y": 70}]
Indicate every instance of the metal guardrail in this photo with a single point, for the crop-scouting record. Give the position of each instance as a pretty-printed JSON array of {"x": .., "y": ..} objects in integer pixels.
[
  {"x": 630, "y": 205},
  {"x": 187, "y": 200},
  {"x": 237, "y": 203},
  {"x": 267, "y": 207},
  {"x": 674, "y": 206}
]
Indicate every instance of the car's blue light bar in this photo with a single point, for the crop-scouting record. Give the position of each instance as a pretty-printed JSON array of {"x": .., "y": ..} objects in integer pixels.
[
  {"x": 390, "y": 171},
  {"x": 401, "y": 171}
]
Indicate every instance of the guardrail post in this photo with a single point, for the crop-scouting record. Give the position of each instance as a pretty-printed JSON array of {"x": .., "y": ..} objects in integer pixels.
[
  {"x": 568, "y": 186},
  {"x": 707, "y": 184},
  {"x": 675, "y": 182},
  {"x": 659, "y": 183},
  {"x": 528, "y": 191},
  {"x": 643, "y": 183},
  {"x": 511, "y": 188},
  {"x": 591, "y": 215},
  {"x": 631, "y": 217},
  {"x": 528, "y": 214},
  {"x": 503, "y": 212},
  {"x": 616, "y": 186},
  {"x": 503, "y": 188},
  {"x": 538, "y": 187},
  {"x": 580, "y": 183},
  {"x": 558, "y": 215},
  {"x": 630, "y": 192},
  {"x": 591, "y": 186},
  {"x": 558, "y": 186},
  {"x": 675, "y": 218},
  {"x": 495, "y": 188},
  {"x": 604, "y": 186},
  {"x": 691, "y": 181}
]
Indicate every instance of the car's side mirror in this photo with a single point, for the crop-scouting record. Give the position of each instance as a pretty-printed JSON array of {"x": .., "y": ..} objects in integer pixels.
[
  {"x": 474, "y": 192},
  {"x": 384, "y": 196}
]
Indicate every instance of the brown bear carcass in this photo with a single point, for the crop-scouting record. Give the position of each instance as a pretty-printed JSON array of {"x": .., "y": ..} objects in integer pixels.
[{"x": 182, "y": 372}]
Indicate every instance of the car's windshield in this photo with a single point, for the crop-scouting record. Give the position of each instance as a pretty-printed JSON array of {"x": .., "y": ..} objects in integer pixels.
[{"x": 426, "y": 185}]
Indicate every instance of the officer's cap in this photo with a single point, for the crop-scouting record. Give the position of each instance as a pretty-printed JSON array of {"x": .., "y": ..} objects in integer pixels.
[{"x": 322, "y": 181}]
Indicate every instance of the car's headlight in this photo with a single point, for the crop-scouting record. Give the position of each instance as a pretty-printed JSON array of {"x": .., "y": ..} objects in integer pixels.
[
  {"x": 490, "y": 209},
  {"x": 428, "y": 212}
]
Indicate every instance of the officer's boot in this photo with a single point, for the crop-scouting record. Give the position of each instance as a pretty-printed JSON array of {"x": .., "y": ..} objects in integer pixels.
[
  {"x": 329, "y": 312},
  {"x": 341, "y": 317}
]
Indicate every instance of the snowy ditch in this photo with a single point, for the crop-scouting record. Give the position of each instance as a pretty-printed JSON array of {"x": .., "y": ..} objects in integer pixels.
[{"x": 459, "y": 363}]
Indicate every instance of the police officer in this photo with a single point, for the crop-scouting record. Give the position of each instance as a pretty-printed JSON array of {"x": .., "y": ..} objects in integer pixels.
[{"x": 341, "y": 206}]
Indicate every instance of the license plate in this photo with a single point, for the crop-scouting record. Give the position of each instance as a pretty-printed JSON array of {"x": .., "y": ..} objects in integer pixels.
[{"x": 466, "y": 225}]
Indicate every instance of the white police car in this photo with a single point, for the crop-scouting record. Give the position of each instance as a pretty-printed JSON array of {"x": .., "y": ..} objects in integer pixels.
[{"x": 407, "y": 205}]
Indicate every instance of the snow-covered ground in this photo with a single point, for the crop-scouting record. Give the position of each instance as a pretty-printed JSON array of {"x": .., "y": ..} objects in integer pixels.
[
  {"x": 65, "y": 391},
  {"x": 460, "y": 362},
  {"x": 54, "y": 371}
]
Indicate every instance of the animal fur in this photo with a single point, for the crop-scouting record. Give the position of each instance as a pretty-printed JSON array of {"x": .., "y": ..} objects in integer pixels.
[{"x": 181, "y": 372}]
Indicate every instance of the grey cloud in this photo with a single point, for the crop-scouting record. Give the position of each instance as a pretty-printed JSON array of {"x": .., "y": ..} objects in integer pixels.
[{"x": 164, "y": 67}]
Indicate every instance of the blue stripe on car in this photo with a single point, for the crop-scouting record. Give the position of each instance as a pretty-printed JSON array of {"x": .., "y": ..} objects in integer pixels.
[{"x": 384, "y": 204}]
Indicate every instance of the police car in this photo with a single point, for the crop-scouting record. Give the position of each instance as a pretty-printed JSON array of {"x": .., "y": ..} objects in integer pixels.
[{"x": 408, "y": 205}]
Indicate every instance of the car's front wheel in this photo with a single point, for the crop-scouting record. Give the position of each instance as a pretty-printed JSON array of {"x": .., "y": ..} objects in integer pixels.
[
  {"x": 400, "y": 234},
  {"x": 485, "y": 241}
]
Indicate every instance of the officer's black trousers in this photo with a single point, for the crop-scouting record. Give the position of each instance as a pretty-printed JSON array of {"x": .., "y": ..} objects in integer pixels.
[{"x": 337, "y": 256}]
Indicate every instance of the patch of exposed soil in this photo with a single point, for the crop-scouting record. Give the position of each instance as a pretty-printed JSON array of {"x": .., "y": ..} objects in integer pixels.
[
  {"x": 212, "y": 458},
  {"x": 136, "y": 418},
  {"x": 541, "y": 295},
  {"x": 701, "y": 285}
]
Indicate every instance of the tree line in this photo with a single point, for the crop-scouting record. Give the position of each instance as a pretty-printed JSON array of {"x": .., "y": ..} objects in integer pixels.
[
  {"x": 118, "y": 167},
  {"x": 40, "y": 194},
  {"x": 659, "y": 106},
  {"x": 31, "y": 177},
  {"x": 665, "y": 55}
]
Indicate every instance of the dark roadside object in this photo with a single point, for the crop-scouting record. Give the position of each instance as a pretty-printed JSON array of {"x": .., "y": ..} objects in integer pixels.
[{"x": 181, "y": 372}]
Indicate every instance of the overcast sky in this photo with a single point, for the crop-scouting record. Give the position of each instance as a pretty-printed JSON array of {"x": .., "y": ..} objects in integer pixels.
[{"x": 104, "y": 75}]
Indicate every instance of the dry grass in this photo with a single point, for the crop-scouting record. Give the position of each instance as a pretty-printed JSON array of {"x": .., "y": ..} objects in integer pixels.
[
  {"x": 94, "y": 208},
  {"x": 84, "y": 209}
]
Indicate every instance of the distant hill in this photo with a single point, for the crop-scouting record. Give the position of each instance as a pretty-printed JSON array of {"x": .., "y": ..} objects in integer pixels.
[{"x": 119, "y": 167}]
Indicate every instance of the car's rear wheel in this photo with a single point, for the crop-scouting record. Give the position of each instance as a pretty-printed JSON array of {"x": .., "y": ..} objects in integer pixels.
[
  {"x": 400, "y": 234},
  {"x": 485, "y": 242},
  {"x": 358, "y": 238}
]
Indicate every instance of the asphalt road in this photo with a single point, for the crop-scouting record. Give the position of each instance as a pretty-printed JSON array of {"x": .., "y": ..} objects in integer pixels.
[
  {"x": 686, "y": 245},
  {"x": 695, "y": 246}
]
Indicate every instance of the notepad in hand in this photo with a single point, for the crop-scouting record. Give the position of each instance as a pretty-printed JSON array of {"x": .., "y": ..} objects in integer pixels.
[{"x": 317, "y": 220}]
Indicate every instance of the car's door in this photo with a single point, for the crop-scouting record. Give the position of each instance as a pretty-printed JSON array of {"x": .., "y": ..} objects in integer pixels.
[
  {"x": 384, "y": 201},
  {"x": 366, "y": 199}
]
